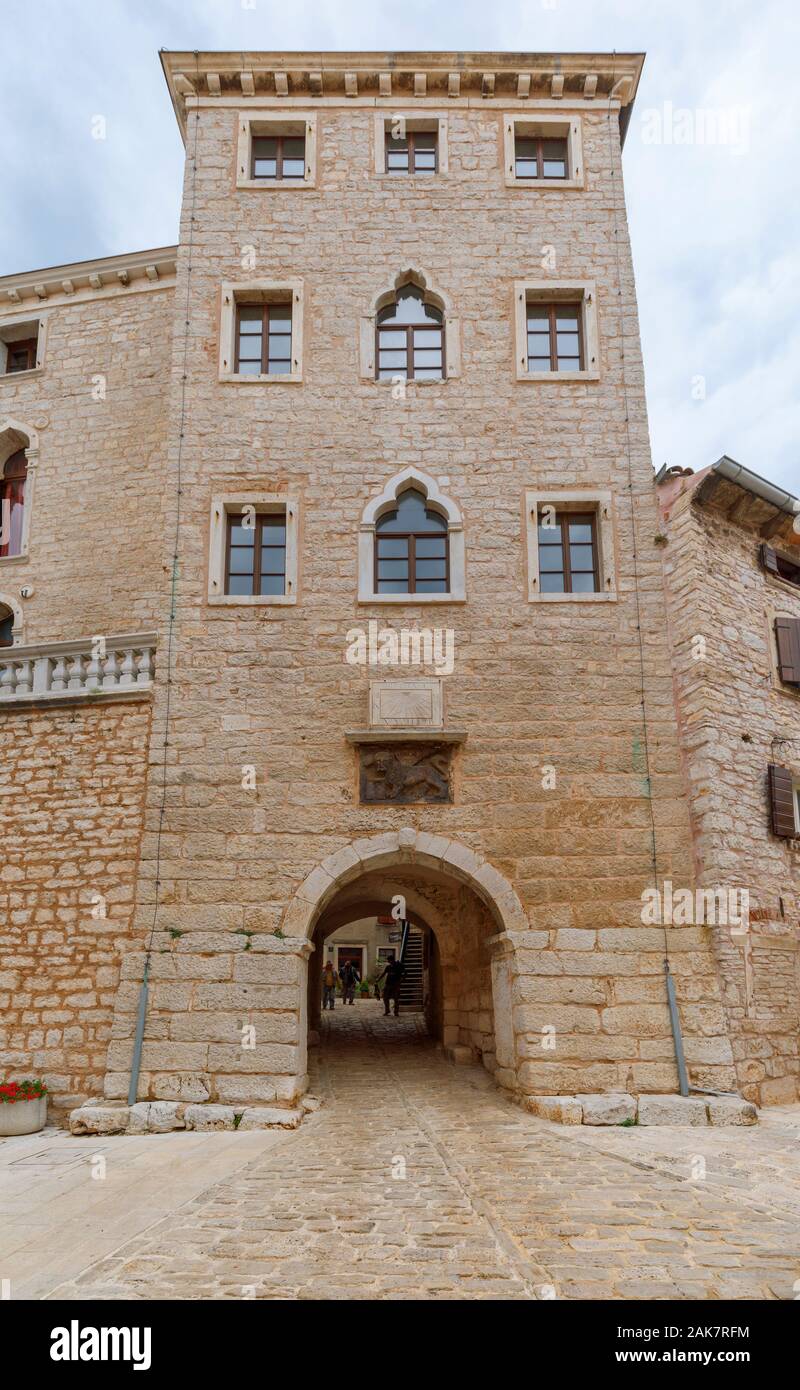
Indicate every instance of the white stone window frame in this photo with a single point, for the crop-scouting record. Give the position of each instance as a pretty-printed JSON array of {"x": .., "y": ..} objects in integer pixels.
[
  {"x": 452, "y": 334},
  {"x": 18, "y": 624},
  {"x": 548, "y": 292},
  {"x": 14, "y": 435},
  {"x": 259, "y": 292},
  {"x": 229, "y": 504},
  {"x": 269, "y": 122},
  {"x": 414, "y": 120},
  {"x": 386, "y": 501},
  {"x": 601, "y": 503},
  {"x": 550, "y": 127},
  {"x": 14, "y": 330}
]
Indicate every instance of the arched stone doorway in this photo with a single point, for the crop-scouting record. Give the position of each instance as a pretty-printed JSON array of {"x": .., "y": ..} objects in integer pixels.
[{"x": 470, "y": 910}]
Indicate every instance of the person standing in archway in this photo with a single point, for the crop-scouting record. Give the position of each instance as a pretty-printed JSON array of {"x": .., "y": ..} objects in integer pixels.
[
  {"x": 329, "y": 979},
  {"x": 391, "y": 990},
  {"x": 350, "y": 977}
]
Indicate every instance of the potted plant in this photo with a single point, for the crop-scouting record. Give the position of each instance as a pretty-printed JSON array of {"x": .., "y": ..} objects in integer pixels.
[
  {"x": 363, "y": 989},
  {"x": 23, "y": 1107}
]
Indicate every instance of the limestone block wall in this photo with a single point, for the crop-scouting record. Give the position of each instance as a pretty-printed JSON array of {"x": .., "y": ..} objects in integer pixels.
[
  {"x": 71, "y": 806},
  {"x": 534, "y": 684},
  {"x": 99, "y": 407},
  {"x": 735, "y": 718}
]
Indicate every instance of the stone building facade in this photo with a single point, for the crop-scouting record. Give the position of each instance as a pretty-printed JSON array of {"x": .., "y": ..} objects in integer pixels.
[
  {"x": 732, "y": 571},
  {"x": 209, "y": 781}
]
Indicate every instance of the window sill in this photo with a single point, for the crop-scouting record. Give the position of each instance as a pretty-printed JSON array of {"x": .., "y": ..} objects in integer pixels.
[
  {"x": 14, "y": 559},
  {"x": 610, "y": 596},
  {"x": 277, "y": 185},
  {"x": 784, "y": 585},
  {"x": 559, "y": 378},
  {"x": 22, "y": 376},
  {"x": 251, "y": 600},
  {"x": 284, "y": 379},
  {"x": 575, "y": 185},
  {"x": 411, "y": 600},
  {"x": 408, "y": 380}
]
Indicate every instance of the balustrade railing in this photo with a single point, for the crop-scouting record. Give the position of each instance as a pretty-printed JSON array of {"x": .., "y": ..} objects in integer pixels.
[{"x": 91, "y": 667}]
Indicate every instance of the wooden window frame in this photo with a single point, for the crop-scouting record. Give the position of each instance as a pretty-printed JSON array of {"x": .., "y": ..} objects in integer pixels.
[
  {"x": 563, "y": 518},
  {"x": 552, "y": 308},
  {"x": 540, "y": 141},
  {"x": 782, "y": 798},
  {"x": 412, "y": 537},
  {"x": 265, "y": 313},
  {"x": 278, "y": 176},
  {"x": 235, "y": 519},
  {"x": 409, "y": 330},
  {"x": 410, "y": 138},
  {"x": 14, "y": 488},
  {"x": 31, "y": 346}
]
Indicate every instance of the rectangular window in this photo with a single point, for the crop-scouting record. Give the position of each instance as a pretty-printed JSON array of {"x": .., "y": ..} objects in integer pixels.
[
  {"x": 411, "y": 352},
  {"x": 411, "y": 565},
  {"x": 278, "y": 157},
  {"x": 255, "y": 556},
  {"x": 779, "y": 565},
  {"x": 536, "y": 157},
  {"x": 263, "y": 339},
  {"x": 567, "y": 552},
  {"x": 21, "y": 355},
  {"x": 555, "y": 337},
  {"x": 412, "y": 153}
]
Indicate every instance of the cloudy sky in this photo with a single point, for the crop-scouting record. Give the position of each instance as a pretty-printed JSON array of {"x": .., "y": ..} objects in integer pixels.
[{"x": 711, "y": 167}]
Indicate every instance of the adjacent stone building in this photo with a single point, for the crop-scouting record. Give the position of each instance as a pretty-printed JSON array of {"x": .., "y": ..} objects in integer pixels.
[
  {"x": 341, "y": 586},
  {"x": 732, "y": 568}
]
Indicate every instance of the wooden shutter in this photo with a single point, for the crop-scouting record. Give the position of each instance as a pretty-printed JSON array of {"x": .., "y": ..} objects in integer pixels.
[
  {"x": 768, "y": 558},
  {"x": 787, "y": 633},
  {"x": 781, "y": 797}
]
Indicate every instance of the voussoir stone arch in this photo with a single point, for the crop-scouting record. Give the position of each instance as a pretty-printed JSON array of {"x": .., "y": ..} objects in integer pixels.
[
  {"x": 403, "y": 847},
  {"x": 14, "y": 435}
]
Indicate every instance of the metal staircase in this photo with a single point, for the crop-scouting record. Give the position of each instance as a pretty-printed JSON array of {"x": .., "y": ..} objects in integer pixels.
[{"x": 411, "y": 985}]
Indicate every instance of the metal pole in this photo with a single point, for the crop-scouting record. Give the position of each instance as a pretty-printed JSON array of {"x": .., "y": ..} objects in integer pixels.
[
  {"x": 677, "y": 1038},
  {"x": 138, "y": 1038},
  {"x": 403, "y": 941}
]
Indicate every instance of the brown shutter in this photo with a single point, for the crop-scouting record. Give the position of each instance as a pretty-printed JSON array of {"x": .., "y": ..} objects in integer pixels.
[
  {"x": 781, "y": 797},
  {"x": 787, "y": 632},
  {"x": 768, "y": 558}
]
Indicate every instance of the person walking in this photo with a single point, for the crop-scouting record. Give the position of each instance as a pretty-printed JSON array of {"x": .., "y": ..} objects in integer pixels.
[
  {"x": 351, "y": 976},
  {"x": 391, "y": 990},
  {"x": 329, "y": 979}
]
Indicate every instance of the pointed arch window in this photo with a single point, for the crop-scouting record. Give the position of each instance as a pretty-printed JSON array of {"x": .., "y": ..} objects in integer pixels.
[
  {"x": 410, "y": 338},
  {"x": 12, "y": 503},
  {"x": 411, "y": 548}
]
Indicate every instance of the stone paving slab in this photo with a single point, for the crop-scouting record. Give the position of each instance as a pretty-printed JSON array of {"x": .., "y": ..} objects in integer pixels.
[{"x": 417, "y": 1179}]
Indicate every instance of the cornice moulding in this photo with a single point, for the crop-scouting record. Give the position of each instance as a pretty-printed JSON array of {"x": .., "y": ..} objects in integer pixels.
[
  {"x": 343, "y": 78},
  {"x": 108, "y": 276}
]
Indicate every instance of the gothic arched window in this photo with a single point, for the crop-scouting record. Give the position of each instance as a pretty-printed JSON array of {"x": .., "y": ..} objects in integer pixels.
[
  {"x": 12, "y": 503},
  {"x": 410, "y": 338},
  {"x": 411, "y": 549}
]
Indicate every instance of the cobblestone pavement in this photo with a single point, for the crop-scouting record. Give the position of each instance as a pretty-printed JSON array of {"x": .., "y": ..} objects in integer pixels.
[{"x": 420, "y": 1179}]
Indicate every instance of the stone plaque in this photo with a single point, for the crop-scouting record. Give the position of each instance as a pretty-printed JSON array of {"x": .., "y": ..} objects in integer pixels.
[
  {"x": 406, "y": 703},
  {"x": 402, "y": 773}
]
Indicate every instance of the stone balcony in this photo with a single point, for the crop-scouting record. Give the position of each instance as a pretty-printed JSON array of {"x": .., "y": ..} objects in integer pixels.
[{"x": 91, "y": 668}]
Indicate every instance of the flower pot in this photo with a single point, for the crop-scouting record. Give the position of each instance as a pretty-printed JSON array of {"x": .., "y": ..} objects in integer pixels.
[{"x": 23, "y": 1117}]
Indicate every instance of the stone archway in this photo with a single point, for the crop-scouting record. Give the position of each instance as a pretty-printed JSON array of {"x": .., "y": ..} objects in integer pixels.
[{"x": 471, "y": 908}]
